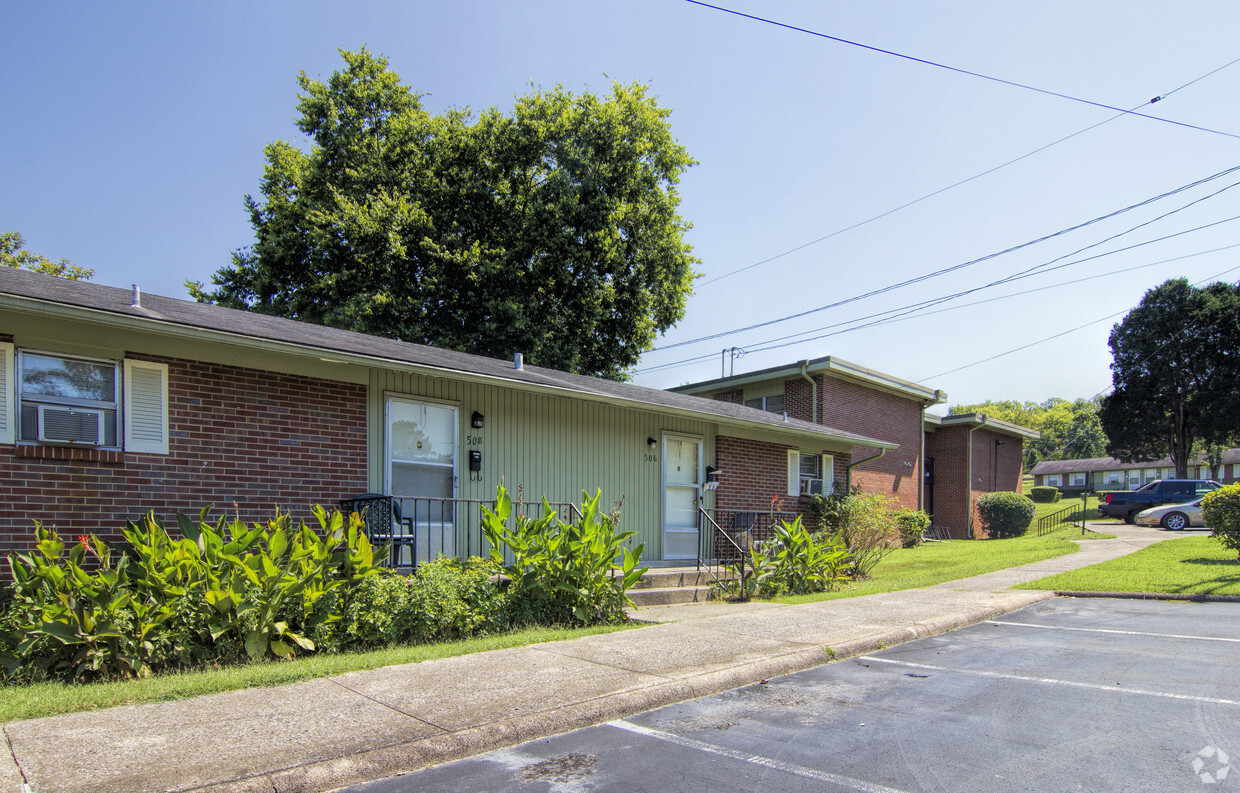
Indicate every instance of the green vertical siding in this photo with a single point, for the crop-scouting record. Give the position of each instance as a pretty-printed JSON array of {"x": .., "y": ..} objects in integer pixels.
[{"x": 555, "y": 447}]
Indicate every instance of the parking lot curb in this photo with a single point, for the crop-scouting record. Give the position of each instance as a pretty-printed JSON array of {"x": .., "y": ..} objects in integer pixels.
[{"x": 1195, "y": 597}]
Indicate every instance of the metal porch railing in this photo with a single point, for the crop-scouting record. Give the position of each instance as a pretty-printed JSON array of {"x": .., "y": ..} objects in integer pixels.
[
  {"x": 725, "y": 538},
  {"x": 419, "y": 529},
  {"x": 1068, "y": 516}
]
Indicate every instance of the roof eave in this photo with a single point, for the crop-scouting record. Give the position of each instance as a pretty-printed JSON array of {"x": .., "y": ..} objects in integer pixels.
[{"x": 138, "y": 322}]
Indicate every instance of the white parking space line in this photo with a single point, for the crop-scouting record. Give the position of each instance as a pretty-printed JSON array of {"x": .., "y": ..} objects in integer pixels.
[
  {"x": 1121, "y": 633},
  {"x": 766, "y": 762},
  {"x": 1049, "y": 680}
]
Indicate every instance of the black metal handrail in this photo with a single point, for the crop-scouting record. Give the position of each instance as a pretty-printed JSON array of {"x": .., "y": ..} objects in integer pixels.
[
  {"x": 418, "y": 529},
  {"x": 725, "y": 537},
  {"x": 1055, "y": 520}
]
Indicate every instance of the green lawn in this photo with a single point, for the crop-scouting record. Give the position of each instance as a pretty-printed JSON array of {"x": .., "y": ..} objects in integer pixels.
[
  {"x": 1193, "y": 565},
  {"x": 50, "y": 699},
  {"x": 935, "y": 563}
]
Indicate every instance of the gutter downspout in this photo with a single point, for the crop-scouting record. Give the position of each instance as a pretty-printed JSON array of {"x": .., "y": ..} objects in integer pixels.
[
  {"x": 813, "y": 384},
  {"x": 848, "y": 468}
]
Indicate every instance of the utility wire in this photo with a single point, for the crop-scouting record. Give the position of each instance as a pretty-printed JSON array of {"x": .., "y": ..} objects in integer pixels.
[
  {"x": 1066, "y": 332},
  {"x": 953, "y": 268},
  {"x": 883, "y": 317},
  {"x": 921, "y": 312},
  {"x": 959, "y": 70},
  {"x": 954, "y": 185}
]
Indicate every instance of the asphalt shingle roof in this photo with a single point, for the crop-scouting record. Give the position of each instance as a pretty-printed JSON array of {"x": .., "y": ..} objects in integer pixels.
[
  {"x": 1111, "y": 464},
  {"x": 166, "y": 310}
]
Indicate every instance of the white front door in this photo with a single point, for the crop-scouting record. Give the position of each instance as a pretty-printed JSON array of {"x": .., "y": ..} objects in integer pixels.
[
  {"x": 421, "y": 467},
  {"x": 682, "y": 493}
]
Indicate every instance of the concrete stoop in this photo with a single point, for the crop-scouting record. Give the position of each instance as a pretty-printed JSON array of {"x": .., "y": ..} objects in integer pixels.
[{"x": 670, "y": 585}]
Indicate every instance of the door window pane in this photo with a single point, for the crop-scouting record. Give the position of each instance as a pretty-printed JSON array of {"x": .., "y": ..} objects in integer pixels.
[
  {"x": 682, "y": 462},
  {"x": 421, "y": 433}
]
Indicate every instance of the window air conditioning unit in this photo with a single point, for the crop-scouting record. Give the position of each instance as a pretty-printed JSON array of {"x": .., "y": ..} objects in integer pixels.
[
  {"x": 811, "y": 487},
  {"x": 71, "y": 425}
]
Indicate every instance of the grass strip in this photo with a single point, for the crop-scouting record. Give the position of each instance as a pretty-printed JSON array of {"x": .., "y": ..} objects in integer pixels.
[
  {"x": 51, "y": 699},
  {"x": 1192, "y": 565},
  {"x": 937, "y": 563}
]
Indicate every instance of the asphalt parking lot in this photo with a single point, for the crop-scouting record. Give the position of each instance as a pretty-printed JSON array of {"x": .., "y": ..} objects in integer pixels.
[{"x": 1069, "y": 694}]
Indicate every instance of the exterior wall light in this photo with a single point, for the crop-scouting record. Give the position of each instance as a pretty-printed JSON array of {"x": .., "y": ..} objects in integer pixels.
[
  {"x": 652, "y": 443},
  {"x": 477, "y": 420}
]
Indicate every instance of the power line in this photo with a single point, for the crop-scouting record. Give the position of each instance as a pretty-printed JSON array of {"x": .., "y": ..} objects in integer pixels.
[
  {"x": 959, "y": 70},
  {"x": 926, "y": 304},
  {"x": 885, "y": 318},
  {"x": 953, "y": 268},
  {"x": 954, "y": 185},
  {"x": 1066, "y": 332}
]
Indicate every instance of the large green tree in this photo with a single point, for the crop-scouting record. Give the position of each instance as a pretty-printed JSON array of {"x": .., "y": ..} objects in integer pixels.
[
  {"x": 551, "y": 230},
  {"x": 1175, "y": 373},
  {"x": 13, "y": 253},
  {"x": 1070, "y": 430}
]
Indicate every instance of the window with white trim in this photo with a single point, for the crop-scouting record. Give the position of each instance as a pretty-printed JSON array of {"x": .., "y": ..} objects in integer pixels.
[
  {"x": 810, "y": 474},
  {"x": 1052, "y": 480},
  {"x": 61, "y": 399},
  {"x": 1076, "y": 480},
  {"x": 69, "y": 400}
]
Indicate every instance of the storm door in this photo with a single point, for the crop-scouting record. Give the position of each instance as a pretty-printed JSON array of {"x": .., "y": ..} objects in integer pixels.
[
  {"x": 682, "y": 493},
  {"x": 421, "y": 474}
]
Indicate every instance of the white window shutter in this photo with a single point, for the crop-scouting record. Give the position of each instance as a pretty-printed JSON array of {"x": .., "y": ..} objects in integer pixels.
[
  {"x": 794, "y": 472},
  {"x": 146, "y": 407},
  {"x": 7, "y": 419},
  {"x": 828, "y": 474}
]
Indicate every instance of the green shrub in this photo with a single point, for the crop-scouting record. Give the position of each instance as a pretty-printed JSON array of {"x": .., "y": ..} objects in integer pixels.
[
  {"x": 912, "y": 524},
  {"x": 216, "y": 594},
  {"x": 795, "y": 561},
  {"x": 1221, "y": 510},
  {"x": 1005, "y": 514},
  {"x": 1044, "y": 494},
  {"x": 563, "y": 572},
  {"x": 822, "y": 513},
  {"x": 868, "y": 529}
]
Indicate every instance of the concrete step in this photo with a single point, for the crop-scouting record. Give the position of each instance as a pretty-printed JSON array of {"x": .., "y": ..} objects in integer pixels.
[
  {"x": 656, "y": 578},
  {"x": 666, "y": 596}
]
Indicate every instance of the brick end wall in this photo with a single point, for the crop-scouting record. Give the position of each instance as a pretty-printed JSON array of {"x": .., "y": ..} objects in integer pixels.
[
  {"x": 752, "y": 472},
  {"x": 876, "y": 414},
  {"x": 257, "y": 439},
  {"x": 955, "y": 497}
]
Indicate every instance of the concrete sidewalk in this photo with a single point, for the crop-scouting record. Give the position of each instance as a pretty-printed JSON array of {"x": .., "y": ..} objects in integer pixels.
[{"x": 325, "y": 734}]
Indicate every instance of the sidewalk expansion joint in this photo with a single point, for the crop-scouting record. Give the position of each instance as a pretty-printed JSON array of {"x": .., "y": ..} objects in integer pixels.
[
  {"x": 389, "y": 707},
  {"x": 13, "y": 752}
]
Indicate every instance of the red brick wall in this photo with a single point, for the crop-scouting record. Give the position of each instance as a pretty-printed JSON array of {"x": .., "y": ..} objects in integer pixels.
[
  {"x": 751, "y": 472},
  {"x": 994, "y": 469},
  {"x": 948, "y": 447},
  {"x": 866, "y": 411},
  {"x": 258, "y": 439}
]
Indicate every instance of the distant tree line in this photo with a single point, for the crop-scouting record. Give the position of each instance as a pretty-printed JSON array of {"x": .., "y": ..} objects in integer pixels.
[{"x": 1070, "y": 429}]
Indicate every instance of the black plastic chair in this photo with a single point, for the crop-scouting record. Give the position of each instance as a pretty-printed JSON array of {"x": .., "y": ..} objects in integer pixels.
[{"x": 385, "y": 525}]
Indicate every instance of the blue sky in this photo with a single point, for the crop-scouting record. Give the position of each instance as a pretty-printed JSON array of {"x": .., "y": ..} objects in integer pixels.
[{"x": 133, "y": 131}]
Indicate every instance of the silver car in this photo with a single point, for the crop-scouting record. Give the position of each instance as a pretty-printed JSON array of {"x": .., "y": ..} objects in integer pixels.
[{"x": 1173, "y": 516}]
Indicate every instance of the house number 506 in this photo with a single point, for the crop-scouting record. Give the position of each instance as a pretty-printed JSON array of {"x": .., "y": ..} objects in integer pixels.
[{"x": 652, "y": 458}]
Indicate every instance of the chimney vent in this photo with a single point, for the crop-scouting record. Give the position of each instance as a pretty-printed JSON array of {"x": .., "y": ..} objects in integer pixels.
[{"x": 518, "y": 361}]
